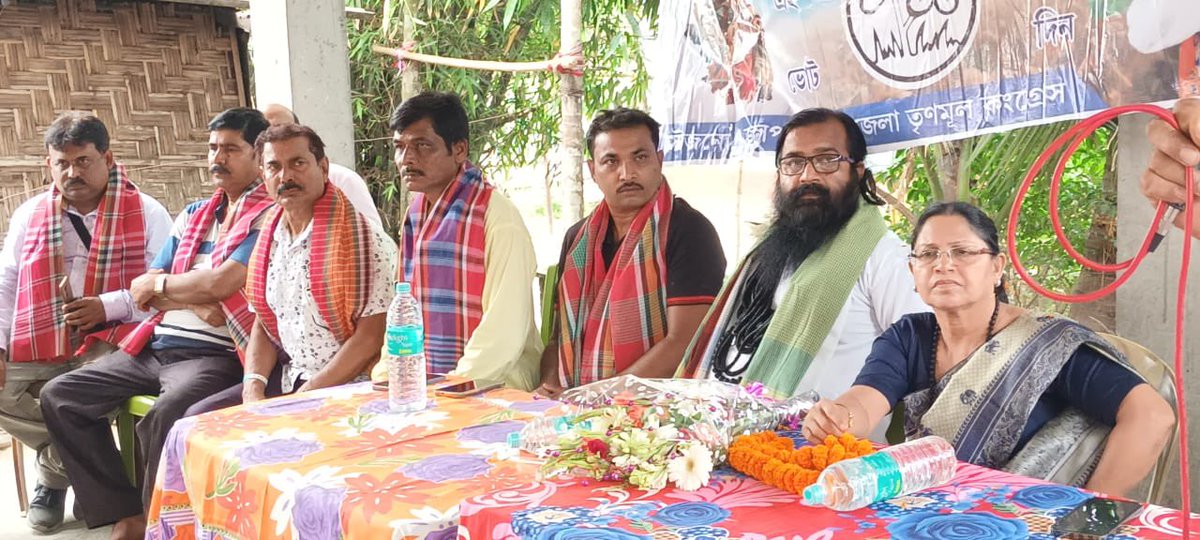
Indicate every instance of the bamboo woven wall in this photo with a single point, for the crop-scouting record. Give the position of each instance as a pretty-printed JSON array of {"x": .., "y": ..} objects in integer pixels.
[{"x": 154, "y": 72}]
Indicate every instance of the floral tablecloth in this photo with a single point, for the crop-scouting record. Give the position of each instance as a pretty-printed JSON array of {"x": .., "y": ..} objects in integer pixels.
[
  {"x": 335, "y": 463},
  {"x": 979, "y": 503}
]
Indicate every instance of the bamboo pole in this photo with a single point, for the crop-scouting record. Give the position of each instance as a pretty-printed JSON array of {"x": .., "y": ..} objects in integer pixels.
[
  {"x": 570, "y": 61},
  {"x": 571, "y": 121}
]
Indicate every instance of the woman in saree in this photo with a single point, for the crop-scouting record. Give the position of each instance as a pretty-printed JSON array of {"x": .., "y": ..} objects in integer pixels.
[{"x": 1028, "y": 393}]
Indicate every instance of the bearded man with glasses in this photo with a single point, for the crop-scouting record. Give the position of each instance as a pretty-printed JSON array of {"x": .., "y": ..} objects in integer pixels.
[{"x": 824, "y": 281}]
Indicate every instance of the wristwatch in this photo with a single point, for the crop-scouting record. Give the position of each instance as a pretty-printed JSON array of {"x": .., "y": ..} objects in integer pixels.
[{"x": 160, "y": 285}]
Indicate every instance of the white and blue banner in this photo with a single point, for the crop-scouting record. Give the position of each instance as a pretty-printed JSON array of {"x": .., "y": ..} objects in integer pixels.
[{"x": 728, "y": 73}]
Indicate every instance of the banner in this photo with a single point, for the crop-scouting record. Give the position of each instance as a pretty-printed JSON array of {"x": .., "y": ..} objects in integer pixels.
[{"x": 911, "y": 72}]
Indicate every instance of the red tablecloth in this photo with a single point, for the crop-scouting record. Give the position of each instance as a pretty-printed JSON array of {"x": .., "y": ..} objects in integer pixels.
[{"x": 978, "y": 504}]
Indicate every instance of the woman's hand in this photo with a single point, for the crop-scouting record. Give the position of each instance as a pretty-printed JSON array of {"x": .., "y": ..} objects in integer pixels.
[{"x": 827, "y": 417}]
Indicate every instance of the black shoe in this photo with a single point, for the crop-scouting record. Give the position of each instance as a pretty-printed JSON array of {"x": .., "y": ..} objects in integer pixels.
[{"x": 46, "y": 509}]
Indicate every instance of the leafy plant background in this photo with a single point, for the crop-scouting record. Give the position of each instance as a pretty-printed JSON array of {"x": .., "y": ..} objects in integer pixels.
[{"x": 515, "y": 124}]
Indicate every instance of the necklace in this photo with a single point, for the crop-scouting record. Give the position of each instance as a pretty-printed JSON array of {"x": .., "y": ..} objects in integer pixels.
[{"x": 937, "y": 335}]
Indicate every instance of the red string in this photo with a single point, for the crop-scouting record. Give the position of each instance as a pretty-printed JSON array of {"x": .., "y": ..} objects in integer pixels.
[{"x": 1071, "y": 140}]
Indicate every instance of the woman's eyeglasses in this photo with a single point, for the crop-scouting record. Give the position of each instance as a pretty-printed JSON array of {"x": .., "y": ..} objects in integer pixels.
[{"x": 930, "y": 257}]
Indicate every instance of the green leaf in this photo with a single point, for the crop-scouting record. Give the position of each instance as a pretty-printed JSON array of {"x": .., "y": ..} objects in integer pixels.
[{"x": 509, "y": 10}]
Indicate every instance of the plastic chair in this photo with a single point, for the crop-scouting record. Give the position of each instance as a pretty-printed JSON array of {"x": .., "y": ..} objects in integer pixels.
[
  {"x": 549, "y": 288},
  {"x": 136, "y": 407},
  {"x": 1160, "y": 376}
]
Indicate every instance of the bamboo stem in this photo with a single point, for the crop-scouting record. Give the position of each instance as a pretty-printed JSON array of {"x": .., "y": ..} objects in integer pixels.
[{"x": 571, "y": 61}]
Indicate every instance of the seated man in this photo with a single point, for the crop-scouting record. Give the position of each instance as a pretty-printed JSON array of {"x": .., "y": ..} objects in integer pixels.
[
  {"x": 826, "y": 279},
  {"x": 467, "y": 252},
  {"x": 320, "y": 278},
  {"x": 345, "y": 179},
  {"x": 196, "y": 284},
  {"x": 95, "y": 229},
  {"x": 638, "y": 274}
]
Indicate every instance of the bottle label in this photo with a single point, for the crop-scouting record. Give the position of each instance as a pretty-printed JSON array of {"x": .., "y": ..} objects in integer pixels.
[
  {"x": 405, "y": 340},
  {"x": 890, "y": 482}
]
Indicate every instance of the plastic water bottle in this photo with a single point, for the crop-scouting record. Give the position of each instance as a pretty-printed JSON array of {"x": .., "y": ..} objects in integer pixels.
[
  {"x": 405, "y": 352},
  {"x": 891, "y": 472},
  {"x": 540, "y": 435}
]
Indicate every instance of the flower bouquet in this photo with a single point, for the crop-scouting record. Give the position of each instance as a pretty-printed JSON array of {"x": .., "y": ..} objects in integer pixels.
[{"x": 647, "y": 432}]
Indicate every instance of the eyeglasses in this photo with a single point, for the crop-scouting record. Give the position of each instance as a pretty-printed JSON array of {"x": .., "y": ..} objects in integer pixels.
[
  {"x": 930, "y": 257},
  {"x": 822, "y": 163}
]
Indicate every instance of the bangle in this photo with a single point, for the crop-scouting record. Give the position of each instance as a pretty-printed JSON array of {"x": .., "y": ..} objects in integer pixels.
[
  {"x": 254, "y": 377},
  {"x": 850, "y": 413},
  {"x": 160, "y": 285}
]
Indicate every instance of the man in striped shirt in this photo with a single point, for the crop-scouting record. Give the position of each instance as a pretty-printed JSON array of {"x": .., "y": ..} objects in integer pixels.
[{"x": 184, "y": 353}]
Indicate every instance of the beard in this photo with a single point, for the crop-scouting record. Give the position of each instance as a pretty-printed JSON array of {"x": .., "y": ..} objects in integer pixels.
[{"x": 805, "y": 218}]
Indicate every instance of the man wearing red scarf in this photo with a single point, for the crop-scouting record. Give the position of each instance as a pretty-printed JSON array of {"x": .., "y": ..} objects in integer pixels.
[
  {"x": 638, "y": 274},
  {"x": 185, "y": 352},
  {"x": 70, "y": 256}
]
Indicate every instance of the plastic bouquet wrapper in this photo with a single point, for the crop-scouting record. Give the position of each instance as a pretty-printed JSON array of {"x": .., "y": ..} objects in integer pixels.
[{"x": 648, "y": 432}]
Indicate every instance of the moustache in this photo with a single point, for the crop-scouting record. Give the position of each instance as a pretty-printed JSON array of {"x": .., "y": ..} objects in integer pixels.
[
  {"x": 629, "y": 186},
  {"x": 797, "y": 195},
  {"x": 217, "y": 169},
  {"x": 72, "y": 182},
  {"x": 286, "y": 186},
  {"x": 415, "y": 172}
]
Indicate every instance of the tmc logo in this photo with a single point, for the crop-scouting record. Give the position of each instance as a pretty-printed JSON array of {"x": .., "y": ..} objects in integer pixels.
[{"x": 910, "y": 44}]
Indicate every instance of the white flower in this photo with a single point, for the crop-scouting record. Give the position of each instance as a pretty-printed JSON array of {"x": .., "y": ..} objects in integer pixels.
[
  {"x": 690, "y": 469},
  {"x": 667, "y": 433}
]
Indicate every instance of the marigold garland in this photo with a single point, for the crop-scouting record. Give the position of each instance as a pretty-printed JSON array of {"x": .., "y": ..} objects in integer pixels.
[{"x": 776, "y": 461}]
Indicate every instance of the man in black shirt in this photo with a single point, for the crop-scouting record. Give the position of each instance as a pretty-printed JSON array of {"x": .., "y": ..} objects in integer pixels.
[{"x": 638, "y": 273}]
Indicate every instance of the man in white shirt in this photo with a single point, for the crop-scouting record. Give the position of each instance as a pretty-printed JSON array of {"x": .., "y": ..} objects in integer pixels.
[
  {"x": 185, "y": 352},
  {"x": 320, "y": 278},
  {"x": 826, "y": 279},
  {"x": 96, "y": 230},
  {"x": 352, "y": 185}
]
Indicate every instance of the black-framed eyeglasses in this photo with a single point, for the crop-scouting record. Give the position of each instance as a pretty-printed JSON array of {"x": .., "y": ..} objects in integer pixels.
[
  {"x": 822, "y": 163},
  {"x": 958, "y": 255}
]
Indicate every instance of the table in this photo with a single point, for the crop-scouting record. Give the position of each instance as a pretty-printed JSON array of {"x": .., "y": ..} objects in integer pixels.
[
  {"x": 335, "y": 462},
  {"x": 978, "y": 503}
]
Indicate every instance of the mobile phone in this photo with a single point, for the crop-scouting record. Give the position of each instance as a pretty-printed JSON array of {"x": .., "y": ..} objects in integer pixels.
[
  {"x": 465, "y": 389},
  {"x": 1095, "y": 518},
  {"x": 430, "y": 378},
  {"x": 64, "y": 289}
]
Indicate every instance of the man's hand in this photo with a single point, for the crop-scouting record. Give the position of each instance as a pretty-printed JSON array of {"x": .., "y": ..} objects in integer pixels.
[
  {"x": 142, "y": 290},
  {"x": 85, "y": 313},
  {"x": 1175, "y": 150},
  {"x": 549, "y": 390},
  {"x": 253, "y": 391},
  {"x": 211, "y": 314}
]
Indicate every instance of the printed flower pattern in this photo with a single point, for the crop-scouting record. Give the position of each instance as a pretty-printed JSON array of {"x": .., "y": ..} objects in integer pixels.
[
  {"x": 964, "y": 526},
  {"x": 446, "y": 468},
  {"x": 1049, "y": 497},
  {"x": 690, "y": 514}
]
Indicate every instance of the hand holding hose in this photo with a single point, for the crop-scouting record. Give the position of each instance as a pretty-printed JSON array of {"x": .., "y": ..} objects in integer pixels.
[{"x": 1175, "y": 150}]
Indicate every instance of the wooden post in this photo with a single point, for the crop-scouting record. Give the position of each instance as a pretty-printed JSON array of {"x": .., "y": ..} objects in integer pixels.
[
  {"x": 410, "y": 84},
  {"x": 571, "y": 125}
]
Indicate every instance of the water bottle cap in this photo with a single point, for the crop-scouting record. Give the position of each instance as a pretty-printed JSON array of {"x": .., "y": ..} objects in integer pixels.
[
  {"x": 403, "y": 287},
  {"x": 814, "y": 494},
  {"x": 514, "y": 439}
]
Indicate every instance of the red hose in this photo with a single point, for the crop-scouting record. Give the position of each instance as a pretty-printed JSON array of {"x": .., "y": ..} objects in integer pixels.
[{"x": 1072, "y": 139}]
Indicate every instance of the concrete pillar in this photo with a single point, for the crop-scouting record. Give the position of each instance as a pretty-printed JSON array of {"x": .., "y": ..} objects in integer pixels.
[
  {"x": 300, "y": 59},
  {"x": 1146, "y": 304}
]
